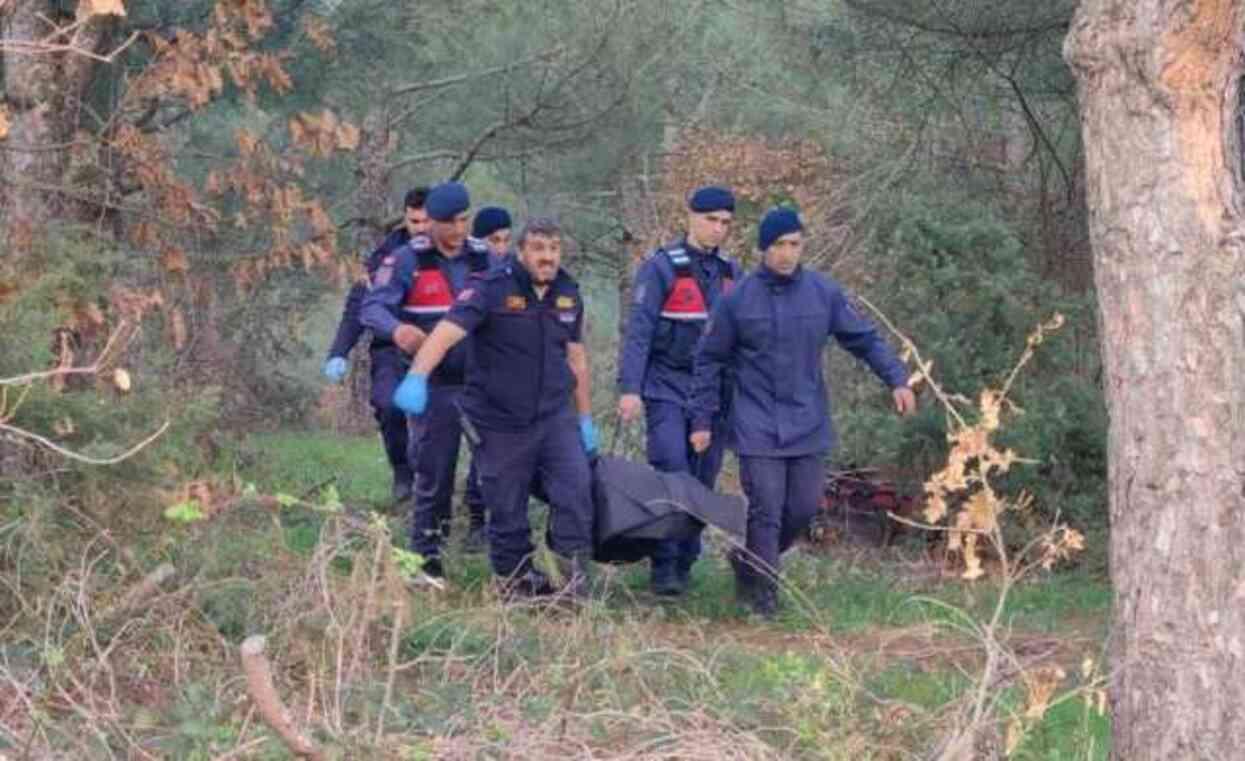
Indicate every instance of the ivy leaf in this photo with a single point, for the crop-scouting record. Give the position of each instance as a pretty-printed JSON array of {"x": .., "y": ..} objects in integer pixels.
[
  {"x": 187, "y": 511},
  {"x": 330, "y": 500}
]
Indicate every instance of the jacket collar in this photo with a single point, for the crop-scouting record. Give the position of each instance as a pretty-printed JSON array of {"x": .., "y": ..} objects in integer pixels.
[
  {"x": 524, "y": 278},
  {"x": 687, "y": 246},
  {"x": 778, "y": 280}
]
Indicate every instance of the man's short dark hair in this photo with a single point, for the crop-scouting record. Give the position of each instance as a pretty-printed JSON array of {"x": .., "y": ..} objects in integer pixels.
[
  {"x": 545, "y": 227},
  {"x": 416, "y": 197}
]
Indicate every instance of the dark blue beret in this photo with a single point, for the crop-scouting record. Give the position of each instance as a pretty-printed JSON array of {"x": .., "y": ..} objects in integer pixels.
[
  {"x": 446, "y": 201},
  {"x": 778, "y": 221},
  {"x": 711, "y": 198},
  {"x": 489, "y": 220}
]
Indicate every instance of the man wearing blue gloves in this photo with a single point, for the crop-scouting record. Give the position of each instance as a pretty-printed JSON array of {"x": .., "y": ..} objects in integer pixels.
[
  {"x": 527, "y": 362},
  {"x": 412, "y": 291},
  {"x": 772, "y": 329},
  {"x": 388, "y": 363},
  {"x": 674, "y": 290}
]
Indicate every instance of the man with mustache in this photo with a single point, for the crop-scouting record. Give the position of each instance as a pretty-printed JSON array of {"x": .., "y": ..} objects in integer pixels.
[
  {"x": 527, "y": 364},
  {"x": 412, "y": 291},
  {"x": 772, "y": 330}
]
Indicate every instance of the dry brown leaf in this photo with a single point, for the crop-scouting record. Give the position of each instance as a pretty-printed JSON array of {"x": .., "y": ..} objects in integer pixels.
[
  {"x": 174, "y": 261},
  {"x": 177, "y": 325},
  {"x": 347, "y": 137},
  {"x": 89, "y": 8},
  {"x": 121, "y": 379}
]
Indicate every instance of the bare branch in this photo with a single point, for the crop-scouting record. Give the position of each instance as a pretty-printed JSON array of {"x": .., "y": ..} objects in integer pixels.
[
  {"x": 24, "y": 434},
  {"x": 259, "y": 684},
  {"x": 435, "y": 84}
]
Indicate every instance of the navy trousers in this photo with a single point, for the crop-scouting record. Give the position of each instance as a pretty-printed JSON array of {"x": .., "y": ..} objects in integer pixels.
[
  {"x": 784, "y": 494},
  {"x": 389, "y": 366},
  {"x": 669, "y": 425},
  {"x": 509, "y": 460},
  {"x": 435, "y": 439}
]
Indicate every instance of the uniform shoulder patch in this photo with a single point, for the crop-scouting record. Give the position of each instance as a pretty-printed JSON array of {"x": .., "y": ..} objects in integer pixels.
[
  {"x": 419, "y": 241},
  {"x": 516, "y": 303},
  {"x": 565, "y": 302},
  {"x": 477, "y": 245}
]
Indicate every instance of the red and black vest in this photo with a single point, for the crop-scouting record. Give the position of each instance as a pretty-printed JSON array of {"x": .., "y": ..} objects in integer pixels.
[
  {"x": 431, "y": 294},
  {"x": 686, "y": 300}
]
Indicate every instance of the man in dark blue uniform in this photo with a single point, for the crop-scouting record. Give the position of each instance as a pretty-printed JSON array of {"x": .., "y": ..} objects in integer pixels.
[
  {"x": 388, "y": 363},
  {"x": 412, "y": 290},
  {"x": 674, "y": 290},
  {"x": 772, "y": 329},
  {"x": 492, "y": 225},
  {"x": 527, "y": 363}
]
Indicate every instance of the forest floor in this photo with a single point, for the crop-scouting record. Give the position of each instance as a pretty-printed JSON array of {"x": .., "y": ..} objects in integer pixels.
[{"x": 877, "y": 654}]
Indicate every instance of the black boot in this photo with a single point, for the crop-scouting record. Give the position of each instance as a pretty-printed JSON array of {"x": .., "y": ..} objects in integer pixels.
[
  {"x": 664, "y": 578},
  {"x": 745, "y": 579},
  {"x": 578, "y": 575},
  {"x": 525, "y": 584},
  {"x": 765, "y": 599}
]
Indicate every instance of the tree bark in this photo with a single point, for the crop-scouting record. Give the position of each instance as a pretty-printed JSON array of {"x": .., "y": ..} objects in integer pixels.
[
  {"x": 371, "y": 201},
  {"x": 1158, "y": 92},
  {"x": 43, "y": 91}
]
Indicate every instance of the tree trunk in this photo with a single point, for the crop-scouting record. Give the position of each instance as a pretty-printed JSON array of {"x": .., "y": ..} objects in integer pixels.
[
  {"x": 376, "y": 147},
  {"x": 43, "y": 91},
  {"x": 1158, "y": 90}
]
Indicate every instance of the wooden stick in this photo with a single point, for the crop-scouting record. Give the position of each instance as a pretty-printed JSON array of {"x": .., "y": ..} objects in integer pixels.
[{"x": 259, "y": 684}]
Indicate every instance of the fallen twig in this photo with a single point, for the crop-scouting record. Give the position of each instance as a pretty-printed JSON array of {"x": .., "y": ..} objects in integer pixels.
[{"x": 259, "y": 684}]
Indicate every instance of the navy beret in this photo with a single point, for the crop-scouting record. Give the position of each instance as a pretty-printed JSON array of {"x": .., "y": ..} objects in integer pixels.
[
  {"x": 489, "y": 220},
  {"x": 446, "y": 201},
  {"x": 711, "y": 198},
  {"x": 778, "y": 221}
]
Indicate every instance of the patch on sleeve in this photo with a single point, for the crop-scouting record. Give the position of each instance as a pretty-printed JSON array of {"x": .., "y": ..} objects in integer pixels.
[
  {"x": 466, "y": 293},
  {"x": 639, "y": 293},
  {"x": 383, "y": 275},
  {"x": 516, "y": 303},
  {"x": 565, "y": 302}
]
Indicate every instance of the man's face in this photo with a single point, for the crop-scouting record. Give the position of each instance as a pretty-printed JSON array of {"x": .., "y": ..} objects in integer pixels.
[
  {"x": 449, "y": 235},
  {"x": 498, "y": 241},
  {"x": 783, "y": 255},
  {"x": 541, "y": 255},
  {"x": 417, "y": 221},
  {"x": 709, "y": 230}
]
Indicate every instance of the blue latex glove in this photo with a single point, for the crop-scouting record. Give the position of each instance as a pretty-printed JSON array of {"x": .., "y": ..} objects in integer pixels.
[
  {"x": 588, "y": 434},
  {"x": 336, "y": 368},
  {"x": 412, "y": 394}
]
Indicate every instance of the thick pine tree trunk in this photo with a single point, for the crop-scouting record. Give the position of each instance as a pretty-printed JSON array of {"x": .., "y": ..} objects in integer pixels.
[
  {"x": 371, "y": 202},
  {"x": 1159, "y": 89},
  {"x": 43, "y": 92}
]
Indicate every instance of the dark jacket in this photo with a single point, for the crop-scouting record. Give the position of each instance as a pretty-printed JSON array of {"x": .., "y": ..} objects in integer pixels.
[
  {"x": 772, "y": 330},
  {"x": 656, "y": 354},
  {"x": 350, "y": 327},
  {"x": 517, "y": 364},
  {"x": 391, "y": 301}
]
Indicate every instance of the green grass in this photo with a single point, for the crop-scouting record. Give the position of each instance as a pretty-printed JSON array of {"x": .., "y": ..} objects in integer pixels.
[
  {"x": 299, "y": 463},
  {"x": 791, "y": 699}
]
